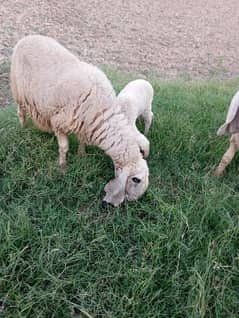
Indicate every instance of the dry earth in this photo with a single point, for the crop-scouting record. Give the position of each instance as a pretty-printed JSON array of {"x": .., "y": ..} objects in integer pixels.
[{"x": 176, "y": 38}]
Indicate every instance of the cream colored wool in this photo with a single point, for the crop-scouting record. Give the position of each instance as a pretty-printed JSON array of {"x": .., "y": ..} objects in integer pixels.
[{"x": 64, "y": 95}]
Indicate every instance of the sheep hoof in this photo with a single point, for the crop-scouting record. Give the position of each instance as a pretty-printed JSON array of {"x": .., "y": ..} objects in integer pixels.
[
  {"x": 63, "y": 167},
  {"x": 22, "y": 124},
  {"x": 217, "y": 173},
  {"x": 81, "y": 152}
]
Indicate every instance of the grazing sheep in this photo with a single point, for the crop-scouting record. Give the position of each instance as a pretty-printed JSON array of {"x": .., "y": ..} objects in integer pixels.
[
  {"x": 64, "y": 95},
  {"x": 231, "y": 126},
  {"x": 135, "y": 100}
]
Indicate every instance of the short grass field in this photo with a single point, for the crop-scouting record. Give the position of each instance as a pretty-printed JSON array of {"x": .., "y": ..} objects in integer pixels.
[{"x": 174, "y": 253}]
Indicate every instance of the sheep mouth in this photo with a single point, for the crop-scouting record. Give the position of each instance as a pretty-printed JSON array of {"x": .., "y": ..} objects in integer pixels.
[{"x": 106, "y": 204}]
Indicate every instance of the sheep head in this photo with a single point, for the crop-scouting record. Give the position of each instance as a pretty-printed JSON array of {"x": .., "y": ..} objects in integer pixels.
[{"x": 130, "y": 183}]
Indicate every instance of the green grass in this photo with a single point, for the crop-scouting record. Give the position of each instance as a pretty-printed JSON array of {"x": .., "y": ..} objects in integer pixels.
[{"x": 174, "y": 253}]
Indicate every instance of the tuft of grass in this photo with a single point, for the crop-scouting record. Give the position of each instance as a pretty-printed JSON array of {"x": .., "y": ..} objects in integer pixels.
[{"x": 174, "y": 253}]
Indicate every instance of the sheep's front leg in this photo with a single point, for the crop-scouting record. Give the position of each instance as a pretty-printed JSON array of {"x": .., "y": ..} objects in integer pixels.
[
  {"x": 21, "y": 112},
  {"x": 81, "y": 150},
  {"x": 63, "y": 145},
  {"x": 228, "y": 155}
]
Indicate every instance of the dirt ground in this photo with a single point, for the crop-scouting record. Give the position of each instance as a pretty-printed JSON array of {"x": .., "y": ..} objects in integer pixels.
[{"x": 176, "y": 38}]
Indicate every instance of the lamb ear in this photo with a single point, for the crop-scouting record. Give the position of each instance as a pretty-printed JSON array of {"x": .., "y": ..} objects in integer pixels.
[{"x": 232, "y": 121}]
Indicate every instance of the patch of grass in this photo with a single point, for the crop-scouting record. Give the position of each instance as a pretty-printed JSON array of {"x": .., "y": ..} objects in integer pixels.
[{"x": 174, "y": 253}]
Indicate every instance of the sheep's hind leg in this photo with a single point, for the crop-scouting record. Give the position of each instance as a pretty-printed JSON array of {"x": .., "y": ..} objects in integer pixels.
[
  {"x": 228, "y": 155},
  {"x": 63, "y": 145},
  {"x": 21, "y": 112}
]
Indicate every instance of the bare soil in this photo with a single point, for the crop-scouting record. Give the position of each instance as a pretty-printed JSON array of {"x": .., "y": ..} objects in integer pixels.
[{"x": 176, "y": 38}]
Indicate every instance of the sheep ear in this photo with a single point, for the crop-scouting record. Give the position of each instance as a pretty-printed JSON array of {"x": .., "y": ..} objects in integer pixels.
[
  {"x": 118, "y": 183},
  {"x": 115, "y": 188},
  {"x": 232, "y": 121},
  {"x": 143, "y": 144}
]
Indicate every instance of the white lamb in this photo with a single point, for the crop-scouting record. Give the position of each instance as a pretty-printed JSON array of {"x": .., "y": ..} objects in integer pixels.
[
  {"x": 231, "y": 126},
  {"x": 64, "y": 95},
  {"x": 135, "y": 100}
]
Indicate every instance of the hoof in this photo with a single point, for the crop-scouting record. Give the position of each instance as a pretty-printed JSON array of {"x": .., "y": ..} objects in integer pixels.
[
  {"x": 63, "y": 167},
  {"x": 217, "y": 173},
  {"x": 22, "y": 124},
  {"x": 81, "y": 153},
  {"x": 81, "y": 150}
]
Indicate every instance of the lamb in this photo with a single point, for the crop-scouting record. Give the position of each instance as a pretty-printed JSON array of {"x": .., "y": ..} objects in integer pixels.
[
  {"x": 65, "y": 95},
  {"x": 231, "y": 126},
  {"x": 135, "y": 100}
]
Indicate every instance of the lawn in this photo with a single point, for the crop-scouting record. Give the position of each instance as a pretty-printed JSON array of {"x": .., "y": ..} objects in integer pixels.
[{"x": 174, "y": 253}]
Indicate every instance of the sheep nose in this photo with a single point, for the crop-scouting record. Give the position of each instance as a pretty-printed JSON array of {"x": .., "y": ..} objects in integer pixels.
[{"x": 105, "y": 204}]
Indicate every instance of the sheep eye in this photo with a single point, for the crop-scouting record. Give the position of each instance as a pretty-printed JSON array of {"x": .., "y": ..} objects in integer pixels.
[
  {"x": 142, "y": 152},
  {"x": 136, "y": 180}
]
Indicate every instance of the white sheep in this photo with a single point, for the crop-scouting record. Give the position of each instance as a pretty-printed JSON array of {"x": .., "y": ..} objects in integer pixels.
[
  {"x": 231, "y": 126},
  {"x": 135, "y": 100},
  {"x": 64, "y": 95}
]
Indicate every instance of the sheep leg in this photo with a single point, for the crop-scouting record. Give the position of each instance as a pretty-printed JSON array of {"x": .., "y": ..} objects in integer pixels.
[
  {"x": 63, "y": 145},
  {"x": 227, "y": 157},
  {"x": 147, "y": 118},
  {"x": 81, "y": 150},
  {"x": 21, "y": 112}
]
